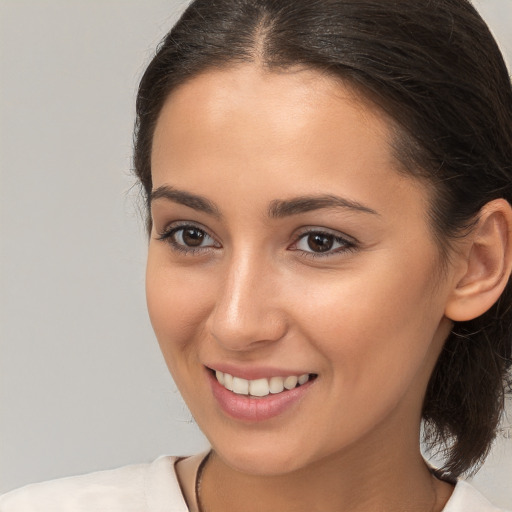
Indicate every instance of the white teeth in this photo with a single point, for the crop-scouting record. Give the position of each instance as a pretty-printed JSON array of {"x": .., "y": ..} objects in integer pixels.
[
  {"x": 220, "y": 377},
  {"x": 240, "y": 386},
  {"x": 303, "y": 378},
  {"x": 276, "y": 384},
  {"x": 228, "y": 381},
  {"x": 260, "y": 387},
  {"x": 290, "y": 382}
]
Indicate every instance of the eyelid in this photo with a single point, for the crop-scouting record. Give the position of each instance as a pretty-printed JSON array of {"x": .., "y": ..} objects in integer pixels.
[
  {"x": 306, "y": 230},
  {"x": 327, "y": 231},
  {"x": 179, "y": 224}
]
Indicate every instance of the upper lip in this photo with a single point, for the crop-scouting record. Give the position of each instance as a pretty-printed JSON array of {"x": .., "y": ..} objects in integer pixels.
[{"x": 254, "y": 372}]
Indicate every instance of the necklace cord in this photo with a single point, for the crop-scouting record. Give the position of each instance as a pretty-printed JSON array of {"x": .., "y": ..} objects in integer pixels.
[{"x": 199, "y": 479}]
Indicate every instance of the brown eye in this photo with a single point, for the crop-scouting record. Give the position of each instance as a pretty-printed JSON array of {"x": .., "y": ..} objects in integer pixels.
[
  {"x": 192, "y": 237},
  {"x": 320, "y": 242},
  {"x": 188, "y": 239},
  {"x": 316, "y": 243}
]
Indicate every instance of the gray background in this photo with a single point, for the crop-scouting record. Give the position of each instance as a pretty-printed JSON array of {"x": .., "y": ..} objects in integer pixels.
[{"x": 82, "y": 383}]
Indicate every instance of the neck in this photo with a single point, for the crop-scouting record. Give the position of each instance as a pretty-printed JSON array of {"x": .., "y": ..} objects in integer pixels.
[{"x": 343, "y": 482}]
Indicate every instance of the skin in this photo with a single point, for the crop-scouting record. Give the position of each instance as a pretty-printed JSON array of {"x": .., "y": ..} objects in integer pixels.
[{"x": 368, "y": 317}]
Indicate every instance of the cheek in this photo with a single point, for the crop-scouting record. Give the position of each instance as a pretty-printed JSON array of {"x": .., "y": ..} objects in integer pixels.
[
  {"x": 372, "y": 323},
  {"x": 178, "y": 303}
]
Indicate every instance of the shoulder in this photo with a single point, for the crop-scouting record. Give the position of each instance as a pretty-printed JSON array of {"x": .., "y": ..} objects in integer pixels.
[
  {"x": 141, "y": 488},
  {"x": 466, "y": 498}
]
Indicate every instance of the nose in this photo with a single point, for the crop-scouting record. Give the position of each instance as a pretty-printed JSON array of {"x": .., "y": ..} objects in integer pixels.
[{"x": 248, "y": 313}]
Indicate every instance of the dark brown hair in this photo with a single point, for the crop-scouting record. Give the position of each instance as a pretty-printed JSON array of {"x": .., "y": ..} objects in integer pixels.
[{"x": 434, "y": 67}]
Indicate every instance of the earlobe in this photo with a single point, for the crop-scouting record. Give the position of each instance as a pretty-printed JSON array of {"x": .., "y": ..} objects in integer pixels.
[{"x": 486, "y": 263}]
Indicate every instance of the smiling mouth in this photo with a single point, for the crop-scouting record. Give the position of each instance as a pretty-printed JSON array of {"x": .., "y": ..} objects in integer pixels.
[{"x": 260, "y": 388}]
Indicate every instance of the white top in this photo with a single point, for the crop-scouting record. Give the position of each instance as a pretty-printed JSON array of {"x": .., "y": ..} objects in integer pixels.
[{"x": 151, "y": 488}]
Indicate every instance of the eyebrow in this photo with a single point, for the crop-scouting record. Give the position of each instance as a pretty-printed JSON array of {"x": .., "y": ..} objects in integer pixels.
[
  {"x": 193, "y": 201},
  {"x": 303, "y": 204},
  {"x": 277, "y": 209}
]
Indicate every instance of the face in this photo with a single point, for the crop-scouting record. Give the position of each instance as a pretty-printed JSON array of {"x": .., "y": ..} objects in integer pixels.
[{"x": 288, "y": 252}]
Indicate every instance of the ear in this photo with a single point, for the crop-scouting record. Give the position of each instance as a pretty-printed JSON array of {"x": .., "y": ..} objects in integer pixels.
[{"x": 485, "y": 263}]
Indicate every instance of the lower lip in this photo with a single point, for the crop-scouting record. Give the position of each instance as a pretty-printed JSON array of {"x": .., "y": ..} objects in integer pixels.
[{"x": 246, "y": 408}]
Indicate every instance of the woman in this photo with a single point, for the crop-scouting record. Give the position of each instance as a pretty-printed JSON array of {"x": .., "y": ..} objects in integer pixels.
[{"x": 328, "y": 187}]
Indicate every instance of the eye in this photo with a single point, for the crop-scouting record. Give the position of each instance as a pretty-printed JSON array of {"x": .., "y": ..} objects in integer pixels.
[
  {"x": 188, "y": 238},
  {"x": 318, "y": 243},
  {"x": 191, "y": 237}
]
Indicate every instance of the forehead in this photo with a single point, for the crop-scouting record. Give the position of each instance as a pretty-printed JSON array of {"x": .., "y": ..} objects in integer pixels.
[
  {"x": 290, "y": 132},
  {"x": 279, "y": 111},
  {"x": 235, "y": 87}
]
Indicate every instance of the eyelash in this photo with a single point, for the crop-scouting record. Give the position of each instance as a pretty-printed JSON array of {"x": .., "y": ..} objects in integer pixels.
[{"x": 347, "y": 245}]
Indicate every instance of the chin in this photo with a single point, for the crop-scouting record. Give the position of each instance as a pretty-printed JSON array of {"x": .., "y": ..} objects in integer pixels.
[{"x": 260, "y": 458}]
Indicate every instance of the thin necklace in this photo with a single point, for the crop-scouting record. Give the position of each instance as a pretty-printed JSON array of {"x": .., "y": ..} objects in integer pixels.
[{"x": 199, "y": 479}]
